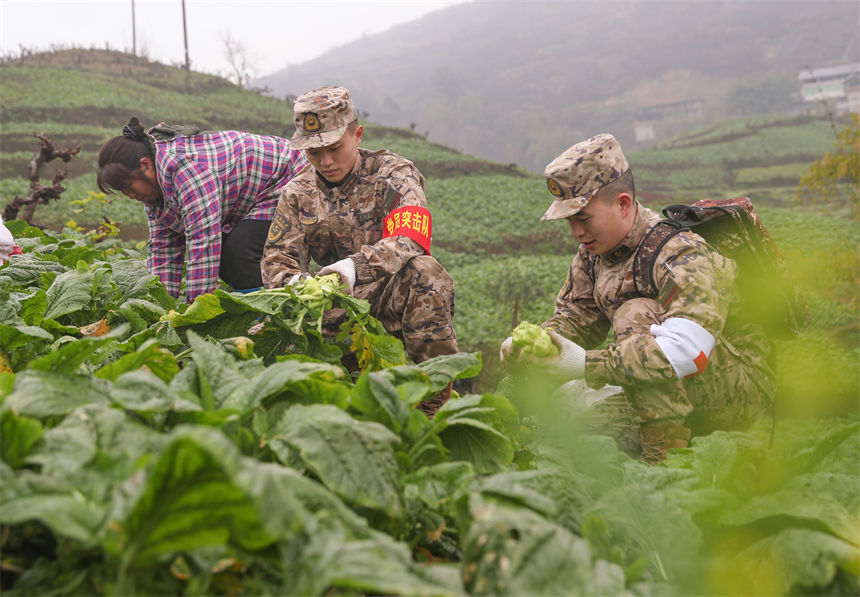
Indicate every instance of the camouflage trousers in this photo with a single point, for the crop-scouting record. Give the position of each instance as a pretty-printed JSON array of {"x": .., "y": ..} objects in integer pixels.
[
  {"x": 416, "y": 305},
  {"x": 735, "y": 389}
]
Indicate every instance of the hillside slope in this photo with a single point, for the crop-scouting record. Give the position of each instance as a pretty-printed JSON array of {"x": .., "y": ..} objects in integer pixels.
[
  {"x": 514, "y": 81},
  {"x": 487, "y": 230}
]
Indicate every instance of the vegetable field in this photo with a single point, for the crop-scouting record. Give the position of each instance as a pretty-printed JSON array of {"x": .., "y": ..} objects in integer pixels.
[
  {"x": 228, "y": 447},
  {"x": 149, "y": 448}
]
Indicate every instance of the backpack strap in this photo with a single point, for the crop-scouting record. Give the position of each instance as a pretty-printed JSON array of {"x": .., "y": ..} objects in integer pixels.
[{"x": 646, "y": 254}]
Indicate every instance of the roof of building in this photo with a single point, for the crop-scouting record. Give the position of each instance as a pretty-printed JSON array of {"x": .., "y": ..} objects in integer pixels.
[{"x": 829, "y": 72}]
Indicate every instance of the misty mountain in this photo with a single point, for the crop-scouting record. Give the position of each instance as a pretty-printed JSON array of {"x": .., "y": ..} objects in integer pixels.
[{"x": 521, "y": 81}]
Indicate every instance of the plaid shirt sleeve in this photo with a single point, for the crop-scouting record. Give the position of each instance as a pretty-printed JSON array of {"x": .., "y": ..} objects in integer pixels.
[
  {"x": 201, "y": 215},
  {"x": 166, "y": 255}
]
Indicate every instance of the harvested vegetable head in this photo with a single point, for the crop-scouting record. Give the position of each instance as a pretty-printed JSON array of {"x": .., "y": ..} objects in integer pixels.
[
  {"x": 533, "y": 339},
  {"x": 315, "y": 291}
]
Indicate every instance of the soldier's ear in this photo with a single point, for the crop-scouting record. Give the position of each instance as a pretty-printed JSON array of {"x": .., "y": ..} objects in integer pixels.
[
  {"x": 358, "y": 131},
  {"x": 625, "y": 202}
]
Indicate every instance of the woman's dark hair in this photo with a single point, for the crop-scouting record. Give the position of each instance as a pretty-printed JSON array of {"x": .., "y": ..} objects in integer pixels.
[{"x": 119, "y": 158}]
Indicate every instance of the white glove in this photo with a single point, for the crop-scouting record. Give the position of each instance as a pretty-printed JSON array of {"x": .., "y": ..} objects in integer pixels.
[
  {"x": 508, "y": 352},
  {"x": 344, "y": 267},
  {"x": 7, "y": 243},
  {"x": 571, "y": 358}
]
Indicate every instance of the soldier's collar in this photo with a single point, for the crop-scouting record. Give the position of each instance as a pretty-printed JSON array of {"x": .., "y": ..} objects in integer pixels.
[
  {"x": 343, "y": 186},
  {"x": 630, "y": 243}
]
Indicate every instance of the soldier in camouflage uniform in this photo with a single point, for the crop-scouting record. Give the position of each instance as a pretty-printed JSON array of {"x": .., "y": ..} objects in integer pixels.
[
  {"x": 361, "y": 214},
  {"x": 678, "y": 365}
]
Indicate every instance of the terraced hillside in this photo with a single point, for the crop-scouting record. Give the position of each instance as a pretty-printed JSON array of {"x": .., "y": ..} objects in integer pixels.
[{"x": 487, "y": 225}]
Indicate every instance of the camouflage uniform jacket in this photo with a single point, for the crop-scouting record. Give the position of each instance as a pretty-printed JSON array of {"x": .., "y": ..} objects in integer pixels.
[
  {"x": 329, "y": 224},
  {"x": 584, "y": 309}
]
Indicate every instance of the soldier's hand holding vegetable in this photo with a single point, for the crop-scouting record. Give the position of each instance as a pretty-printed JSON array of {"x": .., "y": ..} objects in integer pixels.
[
  {"x": 344, "y": 267},
  {"x": 546, "y": 348}
]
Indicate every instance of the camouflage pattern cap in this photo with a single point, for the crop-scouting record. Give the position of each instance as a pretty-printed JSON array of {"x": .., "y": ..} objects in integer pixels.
[
  {"x": 577, "y": 174},
  {"x": 321, "y": 117}
]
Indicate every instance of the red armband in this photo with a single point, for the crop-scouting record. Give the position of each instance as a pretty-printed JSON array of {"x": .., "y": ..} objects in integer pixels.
[{"x": 412, "y": 221}]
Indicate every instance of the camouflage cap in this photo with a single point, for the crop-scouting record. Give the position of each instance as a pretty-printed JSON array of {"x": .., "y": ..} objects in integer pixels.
[
  {"x": 321, "y": 117},
  {"x": 578, "y": 173}
]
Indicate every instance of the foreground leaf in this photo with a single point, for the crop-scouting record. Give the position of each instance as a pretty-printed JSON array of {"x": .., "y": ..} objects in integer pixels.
[
  {"x": 189, "y": 500},
  {"x": 17, "y": 437},
  {"x": 354, "y": 459},
  {"x": 43, "y": 394}
]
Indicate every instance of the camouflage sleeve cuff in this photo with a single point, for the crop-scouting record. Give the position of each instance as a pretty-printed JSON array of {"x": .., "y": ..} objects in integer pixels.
[
  {"x": 363, "y": 271},
  {"x": 597, "y": 372}
]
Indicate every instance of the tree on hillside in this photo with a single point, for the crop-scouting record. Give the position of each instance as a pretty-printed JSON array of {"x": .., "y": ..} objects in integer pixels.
[
  {"x": 837, "y": 170},
  {"x": 239, "y": 58}
]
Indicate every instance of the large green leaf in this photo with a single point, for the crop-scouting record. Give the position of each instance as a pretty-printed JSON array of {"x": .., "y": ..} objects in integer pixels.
[
  {"x": 33, "y": 308},
  {"x": 141, "y": 391},
  {"x": 553, "y": 492},
  {"x": 282, "y": 378},
  {"x": 220, "y": 375},
  {"x": 101, "y": 438},
  {"x": 375, "y": 566},
  {"x": 474, "y": 441},
  {"x": 189, "y": 499},
  {"x": 646, "y": 523},
  {"x": 512, "y": 550},
  {"x": 160, "y": 362},
  {"x": 842, "y": 438},
  {"x": 70, "y": 356},
  {"x": 446, "y": 368},
  {"x": 479, "y": 429},
  {"x": 354, "y": 459},
  {"x": 440, "y": 485},
  {"x": 132, "y": 278},
  {"x": 796, "y": 506},
  {"x": 71, "y": 291},
  {"x": 17, "y": 437},
  {"x": 43, "y": 394},
  {"x": 26, "y": 270},
  {"x": 22, "y": 343},
  {"x": 204, "y": 308},
  {"x": 796, "y": 562},
  {"x": 269, "y": 301},
  {"x": 67, "y": 515},
  {"x": 375, "y": 396}
]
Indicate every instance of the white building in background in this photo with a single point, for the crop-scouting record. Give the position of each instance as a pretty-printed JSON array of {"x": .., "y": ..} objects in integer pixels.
[
  {"x": 838, "y": 84},
  {"x": 658, "y": 121}
]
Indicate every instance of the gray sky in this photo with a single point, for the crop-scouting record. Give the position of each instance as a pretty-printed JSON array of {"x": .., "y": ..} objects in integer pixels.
[{"x": 274, "y": 32}]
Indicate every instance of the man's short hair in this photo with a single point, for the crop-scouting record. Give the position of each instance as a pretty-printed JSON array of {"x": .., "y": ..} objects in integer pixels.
[{"x": 622, "y": 184}]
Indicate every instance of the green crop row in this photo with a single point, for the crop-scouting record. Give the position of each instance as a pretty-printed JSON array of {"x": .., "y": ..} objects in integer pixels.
[
  {"x": 493, "y": 214},
  {"x": 416, "y": 149}
]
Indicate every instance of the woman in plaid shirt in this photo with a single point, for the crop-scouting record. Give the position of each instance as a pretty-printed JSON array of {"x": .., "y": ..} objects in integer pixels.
[{"x": 210, "y": 195}]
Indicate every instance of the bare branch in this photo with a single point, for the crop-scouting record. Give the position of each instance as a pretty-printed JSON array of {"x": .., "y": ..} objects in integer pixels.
[{"x": 39, "y": 193}]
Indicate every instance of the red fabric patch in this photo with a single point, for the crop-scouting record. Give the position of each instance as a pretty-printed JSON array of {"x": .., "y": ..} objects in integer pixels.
[
  {"x": 701, "y": 362},
  {"x": 17, "y": 251},
  {"x": 411, "y": 221},
  {"x": 670, "y": 297}
]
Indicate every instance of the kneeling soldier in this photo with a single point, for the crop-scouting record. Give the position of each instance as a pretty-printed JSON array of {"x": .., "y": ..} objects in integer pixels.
[
  {"x": 681, "y": 364},
  {"x": 361, "y": 214}
]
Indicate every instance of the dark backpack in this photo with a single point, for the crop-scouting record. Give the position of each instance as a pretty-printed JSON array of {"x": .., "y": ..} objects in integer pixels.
[{"x": 733, "y": 228}]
